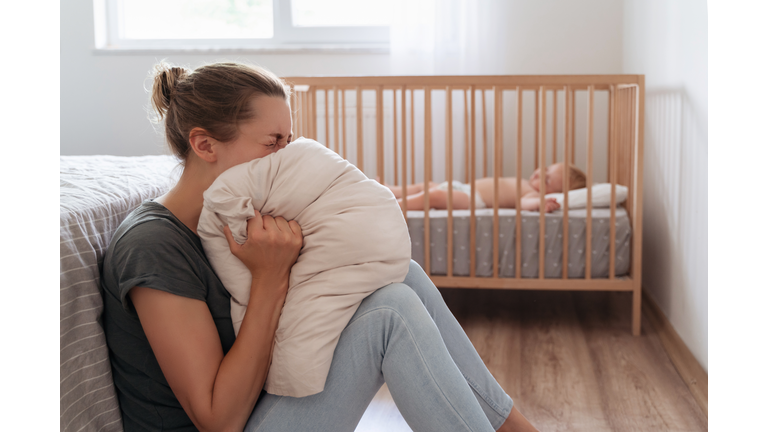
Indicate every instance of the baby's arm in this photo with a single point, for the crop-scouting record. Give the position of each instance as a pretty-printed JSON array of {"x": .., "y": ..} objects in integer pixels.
[{"x": 532, "y": 200}]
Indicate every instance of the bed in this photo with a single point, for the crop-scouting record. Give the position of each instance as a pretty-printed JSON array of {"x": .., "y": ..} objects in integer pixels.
[
  {"x": 486, "y": 248},
  {"x": 96, "y": 194}
]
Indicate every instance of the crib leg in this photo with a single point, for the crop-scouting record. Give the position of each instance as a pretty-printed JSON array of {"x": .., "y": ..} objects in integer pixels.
[{"x": 636, "y": 310}]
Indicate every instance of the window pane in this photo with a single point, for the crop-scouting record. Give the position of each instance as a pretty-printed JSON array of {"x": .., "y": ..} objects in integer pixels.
[
  {"x": 340, "y": 13},
  {"x": 196, "y": 19}
]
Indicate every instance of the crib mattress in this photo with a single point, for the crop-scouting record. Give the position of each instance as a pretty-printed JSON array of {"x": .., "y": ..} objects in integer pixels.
[{"x": 577, "y": 230}]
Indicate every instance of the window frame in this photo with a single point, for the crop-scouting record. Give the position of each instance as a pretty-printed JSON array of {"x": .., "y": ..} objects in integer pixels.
[{"x": 286, "y": 37}]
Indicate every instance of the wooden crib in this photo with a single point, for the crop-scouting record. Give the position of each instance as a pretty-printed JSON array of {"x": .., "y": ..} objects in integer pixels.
[{"x": 333, "y": 111}]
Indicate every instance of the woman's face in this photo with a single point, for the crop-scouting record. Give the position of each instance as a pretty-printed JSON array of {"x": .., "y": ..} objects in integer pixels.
[{"x": 268, "y": 132}]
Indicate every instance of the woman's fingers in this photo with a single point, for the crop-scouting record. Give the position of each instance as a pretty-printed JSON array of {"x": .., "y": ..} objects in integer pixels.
[
  {"x": 230, "y": 239},
  {"x": 282, "y": 225},
  {"x": 295, "y": 228}
]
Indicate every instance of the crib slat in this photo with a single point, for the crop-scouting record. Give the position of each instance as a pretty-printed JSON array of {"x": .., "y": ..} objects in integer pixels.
[
  {"x": 612, "y": 174},
  {"x": 472, "y": 164},
  {"x": 327, "y": 116},
  {"x": 554, "y": 126},
  {"x": 542, "y": 144},
  {"x": 519, "y": 187},
  {"x": 573, "y": 126},
  {"x": 343, "y": 125},
  {"x": 380, "y": 134},
  {"x": 449, "y": 175},
  {"x": 313, "y": 110},
  {"x": 485, "y": 136},
  {"x": 360, "y": 129},
  {"x": 497, "y": 141},
  {"x": 427, "y": 176},
  {"x": 637, "y": 198},
  {"x": 590, "y": 145},
  {"x": 536, "y": 126},
  {"x": 336, "y": 119},
  {"x": 405, "y": 156},
  {"x": 394, "y": 132},
  {"x": 567, "y": 177},
  {"x": 633, "y": 135},
  {"x": 624, "y": 131},
  {"x": 610, "y": 126},
  {"x": 466, "y": 137},
  {"x": 632, "y": 146},
  {"x": 413, "y": 141},
  {"x": 304, "y": 114},
  {"x": 294, "y": 111}
]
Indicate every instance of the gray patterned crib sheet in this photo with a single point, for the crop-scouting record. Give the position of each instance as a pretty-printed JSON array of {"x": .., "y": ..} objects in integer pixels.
[{"x": 577, "y": 230}]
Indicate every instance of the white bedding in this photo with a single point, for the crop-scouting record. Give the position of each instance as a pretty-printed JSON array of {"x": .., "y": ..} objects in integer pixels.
[
  {"x": 355, "y": 241},
  {"x": 601, "y": 196}
]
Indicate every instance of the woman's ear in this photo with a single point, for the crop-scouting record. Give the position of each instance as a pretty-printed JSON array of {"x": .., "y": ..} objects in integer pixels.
[{"x": 203, "y": 144}]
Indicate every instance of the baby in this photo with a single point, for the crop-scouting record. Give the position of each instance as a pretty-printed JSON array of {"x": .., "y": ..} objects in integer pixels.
[{"x": 530, "y": 190}]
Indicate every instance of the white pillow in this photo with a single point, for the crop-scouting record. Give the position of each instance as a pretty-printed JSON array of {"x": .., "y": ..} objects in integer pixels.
[
  {"x": 355, "y": 241},
  {"x": 601, "y": 196}
]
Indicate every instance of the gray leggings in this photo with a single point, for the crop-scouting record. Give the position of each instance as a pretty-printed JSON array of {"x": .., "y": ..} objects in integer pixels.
[{"x": 402, "y": 334}]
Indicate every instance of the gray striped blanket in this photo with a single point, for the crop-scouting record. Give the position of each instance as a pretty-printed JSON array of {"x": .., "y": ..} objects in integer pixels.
[{"x": 96, "y": 194}]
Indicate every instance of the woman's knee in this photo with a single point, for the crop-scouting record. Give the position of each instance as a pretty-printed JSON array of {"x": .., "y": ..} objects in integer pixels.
[
  {"x": 394, "y": 296},
  {"x": 420, "y": 283}
]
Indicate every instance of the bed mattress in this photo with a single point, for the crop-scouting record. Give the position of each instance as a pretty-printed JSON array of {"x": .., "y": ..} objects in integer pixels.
[
  {"x": 577, "y": 230},
  {"x": 96, "y": 194}
]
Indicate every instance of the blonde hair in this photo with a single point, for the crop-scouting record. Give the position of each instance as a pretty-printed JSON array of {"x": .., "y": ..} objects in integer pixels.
[
  {"x": 213, "y": 97},
  {"x": 576, "y": 178}
]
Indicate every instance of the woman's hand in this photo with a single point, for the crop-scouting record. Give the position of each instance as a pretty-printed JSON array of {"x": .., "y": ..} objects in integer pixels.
[
  {"x": 219, "y": 392},
  {"x": 271, "y": 248}
]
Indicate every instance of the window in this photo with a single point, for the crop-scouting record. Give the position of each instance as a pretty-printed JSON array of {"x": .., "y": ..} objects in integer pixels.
[{"x": 242, "y": 24}]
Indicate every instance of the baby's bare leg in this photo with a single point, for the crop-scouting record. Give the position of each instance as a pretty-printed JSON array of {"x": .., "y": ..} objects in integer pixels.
[
  {"x": 438, "y": 199},
  {"x": 409, "y": 190}
]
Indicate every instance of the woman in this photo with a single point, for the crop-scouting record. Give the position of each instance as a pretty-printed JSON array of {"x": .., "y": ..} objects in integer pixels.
[{"x": 176, "y": 362}]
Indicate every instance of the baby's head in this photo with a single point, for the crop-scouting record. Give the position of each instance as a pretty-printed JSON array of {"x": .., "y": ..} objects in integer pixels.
[{"x": 554, "y": 178}]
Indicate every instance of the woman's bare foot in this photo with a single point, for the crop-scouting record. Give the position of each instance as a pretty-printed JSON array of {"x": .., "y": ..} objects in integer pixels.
[{"x": 516, "y": 422}]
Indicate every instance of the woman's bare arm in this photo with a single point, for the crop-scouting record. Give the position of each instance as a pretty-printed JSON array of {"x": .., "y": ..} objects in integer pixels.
[{"x": 219, "y": 392}]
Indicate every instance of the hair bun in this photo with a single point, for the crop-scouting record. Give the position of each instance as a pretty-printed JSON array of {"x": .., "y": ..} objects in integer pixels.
[{"x": 166, "y": 78}]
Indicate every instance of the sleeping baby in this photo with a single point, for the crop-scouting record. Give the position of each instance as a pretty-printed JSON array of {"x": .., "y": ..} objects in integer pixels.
[
  {"x": 355, "y": 241},
  {"x": 530, "y": 200}
]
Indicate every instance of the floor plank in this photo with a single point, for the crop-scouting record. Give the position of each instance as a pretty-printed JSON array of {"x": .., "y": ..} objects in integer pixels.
[{"x": 569, "y": 361}]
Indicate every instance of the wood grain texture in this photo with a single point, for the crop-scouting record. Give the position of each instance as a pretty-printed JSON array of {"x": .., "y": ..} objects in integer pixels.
[
  {"x": 569, "y": 362},
  {"x": 686, "y": 364}
]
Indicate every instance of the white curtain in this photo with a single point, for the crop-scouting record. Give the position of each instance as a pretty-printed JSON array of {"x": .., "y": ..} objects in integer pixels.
[{"x": 448, "y": 37}]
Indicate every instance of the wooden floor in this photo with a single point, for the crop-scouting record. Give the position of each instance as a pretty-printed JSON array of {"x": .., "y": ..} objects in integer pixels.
[{"x": 569, "y": 361}]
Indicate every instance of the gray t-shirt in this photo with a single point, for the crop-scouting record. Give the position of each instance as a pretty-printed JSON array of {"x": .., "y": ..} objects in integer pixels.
[{"x": 153, "y": 249}]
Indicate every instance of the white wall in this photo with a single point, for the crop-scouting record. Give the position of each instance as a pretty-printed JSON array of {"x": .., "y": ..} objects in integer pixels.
[
  {"x": 104, "y": 102},
  {"x": 667, "y": 41}
]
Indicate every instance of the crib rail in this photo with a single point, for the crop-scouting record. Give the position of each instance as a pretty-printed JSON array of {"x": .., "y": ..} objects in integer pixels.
[{"x": 400, "y": 155}]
